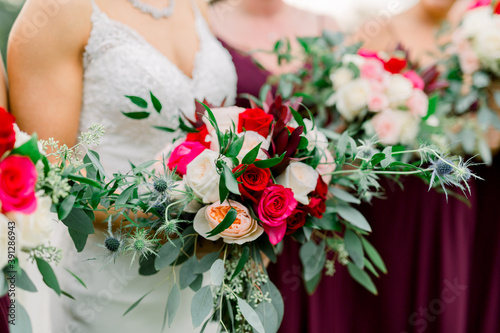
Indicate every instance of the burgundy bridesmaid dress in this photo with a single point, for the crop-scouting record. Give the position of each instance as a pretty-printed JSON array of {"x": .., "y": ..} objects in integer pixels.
[
  {"x": 484, "y": 309},
  {"x": 426, "y": 244},
  {"x": 4, "y": 312}
]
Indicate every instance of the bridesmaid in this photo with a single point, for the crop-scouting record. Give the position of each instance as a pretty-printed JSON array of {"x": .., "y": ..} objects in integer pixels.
[
  {"x": 4, "y": 301},
  {"x": 269, "y": 20}
]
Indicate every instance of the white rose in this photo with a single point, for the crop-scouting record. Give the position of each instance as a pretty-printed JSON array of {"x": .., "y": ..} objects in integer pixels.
[
  {"x": 301, "y": 179},
  {"x": 352, "y": 98},
  {"x": 252, "y": 139},
  {"x": 410, "y": 126},
  {"x": 225, "y": 118},
  {"x": 356, "y": 59},
  {"x": 202, "y": 177},
  {"x": 341, "y": 77},
  {"x": 315, "y": 137},
  {"x": 35, "y": 229},
  {"x": 487, "y": 45},
  {"x": 387, "y": 125},
  {"x": 476, "y": 20},
  {"x": 398, "y": 90},
  {"x": 326, "y": 166},
  {"x": 21, "y": 137}
]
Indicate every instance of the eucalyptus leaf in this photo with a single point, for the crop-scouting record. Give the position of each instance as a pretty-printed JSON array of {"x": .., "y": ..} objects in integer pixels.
[
  {"x": 276, "y": 299},
  {"x": 130, "y": 308},
  {"x": 196, "y": 284},
  {"x": 206, "y": 262},
  {"x": 268, "y": 317},
  {"x": 354, "y": 217},
  {"x": 167, "y": 254},
  {"x": 187, "y": 274},
  {"x": 343, "y": 195},
  {"x": 374, "y": 256},
  {"x": 174, "y": 299},
  {"x": 313, "y": 259},
  {"x": 201, "y": 305},
  {"x": 79, "y": 238},
  {"x": 23, "y": 281},
  {"x": 217, "y": 272},
  {"x": 22, "y": 320},
  {"x": 353, "y": 246},
  {"x": 388, "y": 157},
  {"x": 362, "y": 278},
  {"x": 250, "y": 315},
  {"x": 78, "y": 220}
]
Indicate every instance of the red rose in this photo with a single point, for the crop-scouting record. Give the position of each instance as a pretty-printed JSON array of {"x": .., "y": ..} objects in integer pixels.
[
  {"x": 7, "y": 133},
  {"x": 255, "y": 120},
  {"x": 296, "y": 220},
  {"x": 497, "y": 8},
  {"x": 253, "y": 181},
  {"x": 321, "y": 189},
  {"x": 395, "y": 65},
  {"x": 199, "y": 136},
  {"x": 317, "y": 206}
]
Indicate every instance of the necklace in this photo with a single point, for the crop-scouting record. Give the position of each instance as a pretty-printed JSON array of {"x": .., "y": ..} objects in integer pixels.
[{"x": 153, "y": 11}]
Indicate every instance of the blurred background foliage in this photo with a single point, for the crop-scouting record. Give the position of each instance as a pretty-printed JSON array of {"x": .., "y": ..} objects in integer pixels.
[{"x": 9, "y": 9}]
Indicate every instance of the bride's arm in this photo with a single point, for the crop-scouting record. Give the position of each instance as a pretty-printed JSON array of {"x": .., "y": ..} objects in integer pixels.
[
  {"x": 45, "y": 68},
  {"x": 3, "y": 86}
]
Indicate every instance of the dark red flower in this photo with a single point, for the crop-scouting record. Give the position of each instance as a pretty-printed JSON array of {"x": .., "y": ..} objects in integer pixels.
[
  {"x": 7, "y": 133},
  {"x": 200, "y": 136},
  {"x": 296, "y": 220},
  {"x": 317, "y": 201},
  {"x": 255, "y": 120},
  {"x": 253, "y": 181},
  {"x": 497, "y": 8},
  {"x": 395, "y": 65}
]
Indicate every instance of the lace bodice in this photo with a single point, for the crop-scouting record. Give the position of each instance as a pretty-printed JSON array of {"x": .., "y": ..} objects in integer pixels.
[{"x": 118, "y": 61}]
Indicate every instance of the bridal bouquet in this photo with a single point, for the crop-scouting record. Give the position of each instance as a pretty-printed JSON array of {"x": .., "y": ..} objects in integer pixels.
[
  {"x": 247, "y": 178},
  {"x": 469, "y": 107},
  {"x": 31, "y": 188}
]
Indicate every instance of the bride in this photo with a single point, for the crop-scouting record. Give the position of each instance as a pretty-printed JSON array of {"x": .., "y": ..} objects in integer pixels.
[{"x": 70, "y": 64}]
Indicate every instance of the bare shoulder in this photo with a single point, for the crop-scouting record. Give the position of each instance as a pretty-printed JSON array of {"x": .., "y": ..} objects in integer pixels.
[{"x": 63, "y": 24}]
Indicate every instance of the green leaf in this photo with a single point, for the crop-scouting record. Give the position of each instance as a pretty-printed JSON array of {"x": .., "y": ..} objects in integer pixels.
[
  {"x": 370, "y": 267},
  {"x": 267, "y": 248},
  {"x": 217, "y": 272},
  {"x": 235, "y": 147},
  {"x": 362, "y": 278},
  {"x": 250, "y": 315},
  {"x": 30, "y": 149},
  {"x": 79, "y": 238},
  {"x": 49, "y": 277},
  {"x": 341, "y": 148},
  {"x": 187, "y": 274},
  {"x": 303, "y": 143},
  {"x": 156, "y": 102},
  {"x": 388, "y": 157},
  {"x": 137, "y": 115},
  {"x": 354, "y": 217},
  {"x": 186, "y": 128},
  {"x": 226, "y": 223},
  {"x": 266, "y": 88},
  {"x": 374, "y": 255},
  {"x": 251, "y": 156},
  {"x": 66, "y": 206},
  {"x": 268, "y": 317},
  {"x": 206, "y": 262},
  {"x": 354, "y": 248},
  {"x": 76, "y": 277},
  {"x": 147, "y": 265},
  {"x": 94, "y": 158},
  {"x": 298, "y": 118},
  {"x": 223, "y": 191},
  {"x": 196, "y": 284},
  {"x": 276, "y": 299},
  {"x": 78, "y": 220},
  {"x": 24, "y": 282},
  {"x": 22, "y": 321},
  {"x": 230, "y": 180},
  {"x": 174, "y": 299},
  {"x": 136, "y": 303},
  {"x": 433, "y": 103},
  {"x": 343, "y": 195},
  {"x": 269, "y": 163},
  {"x": 165, "y": 129},
  {"x": 68, "y": 295},
  {"x": 313, "y": 259},
  {"x": 201, "y": 305},
  {"x": 125, "y": 195},
  {"x": 83, "y": 180},
  {"x": 312, "y": 284},
  {"x": 245, "y": 254},
  {"x": 167, "y": 254},
  {"x": 140, "y": 102}
]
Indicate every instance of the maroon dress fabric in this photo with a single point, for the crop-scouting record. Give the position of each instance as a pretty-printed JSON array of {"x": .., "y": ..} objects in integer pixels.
[
  {"x": 4, "y": 312},
  {"x": 426, "y": 244},
  {"x": 484, "y": 310}
]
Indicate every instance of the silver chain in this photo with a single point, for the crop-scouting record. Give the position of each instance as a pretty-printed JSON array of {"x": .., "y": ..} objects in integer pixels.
[{"x": 153, "y": 11}]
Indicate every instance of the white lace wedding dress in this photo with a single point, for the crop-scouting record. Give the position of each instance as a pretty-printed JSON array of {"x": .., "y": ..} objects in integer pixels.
[{"x": 118, "y": 61}]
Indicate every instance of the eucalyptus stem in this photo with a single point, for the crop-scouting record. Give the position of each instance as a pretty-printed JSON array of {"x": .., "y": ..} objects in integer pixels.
[{"x": 379, "y": 172}]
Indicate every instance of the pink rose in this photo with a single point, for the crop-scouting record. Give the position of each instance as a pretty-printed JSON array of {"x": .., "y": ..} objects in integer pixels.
[
  {"x": 418, "y": 103},
  {"x": 365, "y": 53},
  {"x": 469, "y": 61},
  {"x": 478, "y": 3},
  {"x": 372, "y": 70},
  {"x": 326, "y": 166},
  {"x": 18, "y": 178},
  {"x": 276, "y": 204},
  {"x": 417, "y": 81},
  {"x": 387, "y": 126},
  {"x": 378, "y": 102},
  {"x": 183, "y": 154}
]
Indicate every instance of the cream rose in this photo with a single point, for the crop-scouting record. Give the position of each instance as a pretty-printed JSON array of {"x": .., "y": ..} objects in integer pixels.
[
  {"x": 487, "y": 45},
  {"x": 315, "y": 137},
  {"x": 409, "y": 128},
  {"x": 202, "y": 177},
  {"x": 252, "y": 139},
  {"x": 341, "y": 77},
  {"x": 225, "y": 118},
  {"x": 352, "y": 98},
  {"x": 326, "y": 166},
  {"x": 244, "y": 228},
  {"x": 35, "y": 229},
  {"x": 476, "y": 20},
  {"x": 387, "y": 126},
  {"x": 398, "y": 90},
  {"x": 356, "y": 59},
  {"x": 301, "y": 179},
  {"x": 418, "y": 103}
]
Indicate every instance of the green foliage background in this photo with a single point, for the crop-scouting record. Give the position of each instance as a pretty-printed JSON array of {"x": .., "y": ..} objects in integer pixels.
[{"x": 9, "y": 9}]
